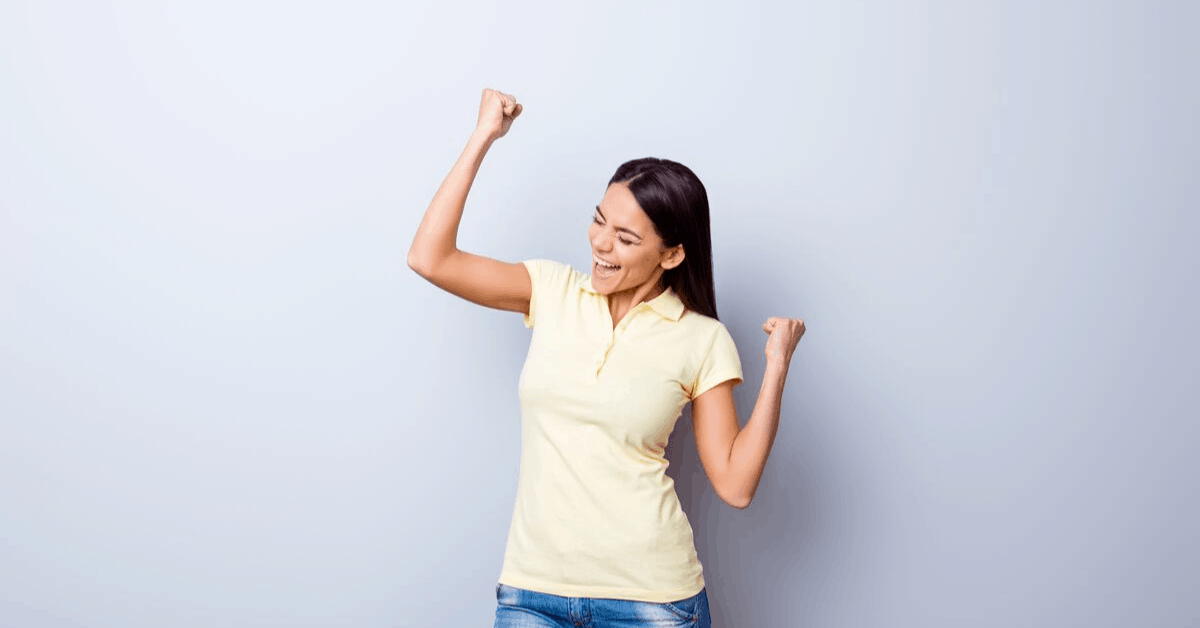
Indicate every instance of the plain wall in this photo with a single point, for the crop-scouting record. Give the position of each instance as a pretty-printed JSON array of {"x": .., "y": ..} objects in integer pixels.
[{"x": 226, "y": 401}]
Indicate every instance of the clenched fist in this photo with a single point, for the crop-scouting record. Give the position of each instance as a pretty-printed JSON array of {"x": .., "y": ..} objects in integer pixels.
[
  {"x": 497, "y": 111},
  {"x": 785, "y": 333}
]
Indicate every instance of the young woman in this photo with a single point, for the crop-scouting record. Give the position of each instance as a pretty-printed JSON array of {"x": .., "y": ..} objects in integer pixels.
[{"x": 598, "y": 538}]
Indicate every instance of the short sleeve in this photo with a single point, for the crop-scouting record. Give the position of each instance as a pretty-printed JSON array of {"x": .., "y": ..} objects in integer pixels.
[
  {"x": 721, "y": 363},
  {"x": 547, "y": 277}
]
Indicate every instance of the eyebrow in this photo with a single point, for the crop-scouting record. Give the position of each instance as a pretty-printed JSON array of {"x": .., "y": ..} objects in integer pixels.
[{"x": 629, "y": 231}]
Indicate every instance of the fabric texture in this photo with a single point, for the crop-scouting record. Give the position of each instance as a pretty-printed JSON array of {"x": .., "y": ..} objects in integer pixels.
[
  {"x": 596, "y": 515},
  {"x": 522, "y": 608}
]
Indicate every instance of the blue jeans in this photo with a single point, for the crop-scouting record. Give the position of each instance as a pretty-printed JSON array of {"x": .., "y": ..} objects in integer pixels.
[{"x": 522, "y": 608}]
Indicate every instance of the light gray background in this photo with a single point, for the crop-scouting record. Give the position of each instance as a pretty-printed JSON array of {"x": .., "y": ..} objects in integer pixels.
[{"x": 226, "y": 400}]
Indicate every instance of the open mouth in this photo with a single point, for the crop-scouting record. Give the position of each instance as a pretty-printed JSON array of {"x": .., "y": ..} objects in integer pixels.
[{"x": 601, "y": 270}]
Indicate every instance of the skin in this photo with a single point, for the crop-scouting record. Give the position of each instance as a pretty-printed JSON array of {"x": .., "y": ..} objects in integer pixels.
[{"x": 643, "y": 257}]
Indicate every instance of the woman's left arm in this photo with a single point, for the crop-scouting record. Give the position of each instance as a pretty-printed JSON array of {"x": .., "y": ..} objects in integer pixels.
[
  {"x": 752, "y": 445},
  {"x": 753, "y": 442},
  {"x": 733, "y": 456}
]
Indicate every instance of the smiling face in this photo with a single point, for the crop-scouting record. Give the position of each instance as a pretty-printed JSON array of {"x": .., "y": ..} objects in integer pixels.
[{"x": 622, "y": 234}]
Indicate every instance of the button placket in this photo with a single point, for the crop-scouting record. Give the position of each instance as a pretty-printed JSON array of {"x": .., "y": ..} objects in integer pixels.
[
  {"x": 620, "y": 329},
  {"x": 602, "y": 356}
]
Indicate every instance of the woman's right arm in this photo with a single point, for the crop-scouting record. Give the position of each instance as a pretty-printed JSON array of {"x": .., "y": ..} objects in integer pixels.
[
  {"x": 437, "y": 237},
  {"x": 434, "y": 253}
]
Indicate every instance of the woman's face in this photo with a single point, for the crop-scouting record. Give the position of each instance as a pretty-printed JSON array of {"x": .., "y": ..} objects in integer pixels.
[{"x": 622, "y": 234}]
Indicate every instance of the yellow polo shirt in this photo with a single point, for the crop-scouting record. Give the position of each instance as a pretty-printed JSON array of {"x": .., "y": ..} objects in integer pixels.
[{"x": 596, "y": 514}]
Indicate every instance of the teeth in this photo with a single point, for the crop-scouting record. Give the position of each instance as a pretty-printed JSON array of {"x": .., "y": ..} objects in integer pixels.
[{"x": 603, "y": 265}]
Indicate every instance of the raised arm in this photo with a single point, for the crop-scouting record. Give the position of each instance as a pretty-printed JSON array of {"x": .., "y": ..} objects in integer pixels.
[{"x": 434, "y": 253}]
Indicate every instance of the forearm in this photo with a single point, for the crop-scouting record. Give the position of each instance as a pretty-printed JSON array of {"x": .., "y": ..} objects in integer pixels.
[
  {"x": 753, "y": 443},
  {"x": 437, "y": 236}
]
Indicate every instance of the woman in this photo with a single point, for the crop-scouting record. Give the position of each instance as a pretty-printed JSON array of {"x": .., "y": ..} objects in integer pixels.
[{"x": 598, "y": 538}]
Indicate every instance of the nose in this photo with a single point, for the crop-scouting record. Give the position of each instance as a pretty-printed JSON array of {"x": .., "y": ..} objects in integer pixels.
[{"x": 603, "y": 243}]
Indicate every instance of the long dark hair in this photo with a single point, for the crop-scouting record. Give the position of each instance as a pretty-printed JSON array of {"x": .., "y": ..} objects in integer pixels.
[{"x": 676, "y": 202}]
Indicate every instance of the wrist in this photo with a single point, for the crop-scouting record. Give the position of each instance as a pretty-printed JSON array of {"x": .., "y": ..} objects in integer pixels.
[
  {"x": 483, "y": 135},
  {"x": 779, "y": 365}
]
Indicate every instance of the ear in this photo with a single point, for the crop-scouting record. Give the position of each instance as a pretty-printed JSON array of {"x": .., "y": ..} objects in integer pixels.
[{"x": 673, "y": 257}]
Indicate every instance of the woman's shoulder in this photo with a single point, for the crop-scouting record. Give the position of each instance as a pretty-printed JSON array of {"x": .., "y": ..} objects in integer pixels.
[{"x": 552, "y": 277}]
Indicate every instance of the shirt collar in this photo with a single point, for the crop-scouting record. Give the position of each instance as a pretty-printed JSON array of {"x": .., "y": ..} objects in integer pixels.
[{"x": 667, "y": 304}]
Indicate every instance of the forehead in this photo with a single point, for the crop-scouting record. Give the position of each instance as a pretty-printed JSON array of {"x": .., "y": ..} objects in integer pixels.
[{"x": 621, "y": 206}]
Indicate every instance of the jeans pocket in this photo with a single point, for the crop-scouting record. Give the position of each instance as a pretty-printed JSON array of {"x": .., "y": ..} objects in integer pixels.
[
  {"x": 684, "y": 609},
  {"x": 676, "y": 611}
]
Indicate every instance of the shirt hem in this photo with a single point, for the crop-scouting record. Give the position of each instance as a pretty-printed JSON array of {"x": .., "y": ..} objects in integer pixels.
[{"x": 617, "y": 593}]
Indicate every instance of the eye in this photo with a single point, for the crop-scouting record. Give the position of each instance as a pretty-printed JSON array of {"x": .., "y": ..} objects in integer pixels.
[{"x": 622, "y": 240}]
